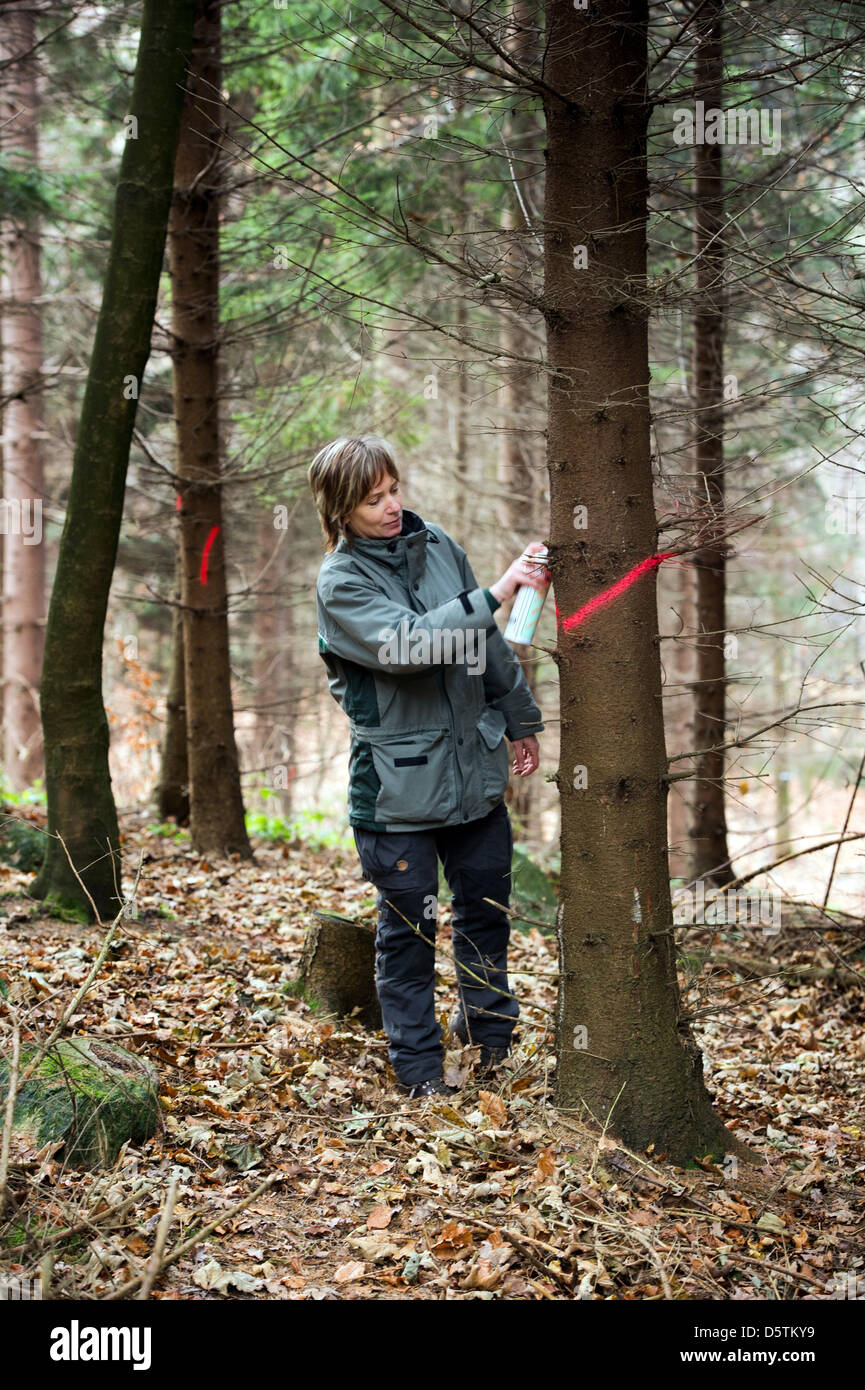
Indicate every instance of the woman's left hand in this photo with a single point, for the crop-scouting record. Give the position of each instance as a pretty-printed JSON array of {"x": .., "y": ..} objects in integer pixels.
[{"x": 526, "y": 756}]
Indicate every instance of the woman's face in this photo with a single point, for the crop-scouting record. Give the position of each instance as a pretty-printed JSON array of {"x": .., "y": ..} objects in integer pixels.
[{"x": 380, "y": 512}]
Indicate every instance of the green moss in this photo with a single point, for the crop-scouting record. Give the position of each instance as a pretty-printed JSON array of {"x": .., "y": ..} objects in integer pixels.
[
  {"x": 65, "y": 909},
  {"x": 94, "y": 1096},
  {"x": 295, "y": 989}
]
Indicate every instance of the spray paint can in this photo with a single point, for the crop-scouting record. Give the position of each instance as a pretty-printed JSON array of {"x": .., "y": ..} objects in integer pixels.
[{"x": 527, "y": 604}]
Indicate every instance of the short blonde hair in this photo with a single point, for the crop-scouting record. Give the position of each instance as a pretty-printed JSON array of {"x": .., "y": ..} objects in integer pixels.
[{"x": 341, "y": 475}]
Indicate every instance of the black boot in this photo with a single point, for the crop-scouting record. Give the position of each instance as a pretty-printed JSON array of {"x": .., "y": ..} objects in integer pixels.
[
  {"x": 434, "y": 1087},
  {"x": 491, "y": 1057}
]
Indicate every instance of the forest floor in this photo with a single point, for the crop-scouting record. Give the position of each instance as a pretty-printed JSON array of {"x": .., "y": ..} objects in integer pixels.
[{"x": 364, "y": 1194}]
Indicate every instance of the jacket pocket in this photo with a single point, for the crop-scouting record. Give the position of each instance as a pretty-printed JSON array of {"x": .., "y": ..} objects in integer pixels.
[
  {"x": 416, "y": 772},
  {"x": 493, "y": 751}
]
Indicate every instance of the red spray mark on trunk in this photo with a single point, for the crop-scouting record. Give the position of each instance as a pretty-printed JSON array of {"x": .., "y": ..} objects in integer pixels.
[
  {"x": 179, "y": 503},
  {"x": 208, "y": 543},
  {"x": 607, "y": 595}
]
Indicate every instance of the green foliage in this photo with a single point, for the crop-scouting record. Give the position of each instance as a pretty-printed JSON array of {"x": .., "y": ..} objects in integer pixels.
[
  {"x": 34, "y": 795},
  {"x": 301, "y": 827},
  {"x": 24, "y": 194},
  {"x": 168, "y": 831},
  {"x": 22, "y": 844}
]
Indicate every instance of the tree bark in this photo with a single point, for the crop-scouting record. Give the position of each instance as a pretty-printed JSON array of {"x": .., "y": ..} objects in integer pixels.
[
  {"x": 635, "y": 1068},
  {"x": 216, "y": 813},
  {"x": 80, "y": 801},
  {"x": 679, "y": 717},
  {"x": 22, "y": 365},
  {"x": 337, "y": 970},
  {"x": 709, "y": 824},
  {"x": 271, "y": 669},
  {"x": 520, "y": 509},
  {"x": 172, "y": 791}
]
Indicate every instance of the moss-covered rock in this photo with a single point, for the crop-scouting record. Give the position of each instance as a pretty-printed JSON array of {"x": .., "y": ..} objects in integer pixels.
[{"x": 92, "y": 1095}]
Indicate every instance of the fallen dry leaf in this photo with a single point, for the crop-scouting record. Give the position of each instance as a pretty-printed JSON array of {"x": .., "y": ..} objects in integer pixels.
[
  {"x": 452, "y": 1240},
  {"x": 493, "y": 1105},
  {"x": 380, "y": 1218}
]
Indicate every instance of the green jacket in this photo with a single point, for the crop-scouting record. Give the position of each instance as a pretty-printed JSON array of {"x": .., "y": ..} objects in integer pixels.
[{"x": 416, "y": 659}]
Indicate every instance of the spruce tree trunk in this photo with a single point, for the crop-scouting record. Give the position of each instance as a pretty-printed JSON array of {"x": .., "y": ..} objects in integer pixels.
[
  {"x": 172, "y": 791},
  {"x": 635, "y": 1068},
  {"x": 678, "y": 586},
  {"x": 519, "y": 503},
  {"x": 290, "y": 686},
  {"x": 80, "y": 801},
  {"x": 463, "y": 471},
  {"x": 22, "y": 364},
  {"x": 709, "y": 823},
  {"x": 216, "y": 812},
  {"x": 267, "y": 661},
  {"x": 521, "y": 511}
]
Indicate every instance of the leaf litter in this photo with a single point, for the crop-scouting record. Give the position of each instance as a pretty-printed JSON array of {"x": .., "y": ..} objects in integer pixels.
[{"x": 307, "y": 1175}]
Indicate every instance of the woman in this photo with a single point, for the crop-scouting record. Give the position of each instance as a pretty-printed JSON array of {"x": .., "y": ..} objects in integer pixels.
[{"x": 415, "y": 658}]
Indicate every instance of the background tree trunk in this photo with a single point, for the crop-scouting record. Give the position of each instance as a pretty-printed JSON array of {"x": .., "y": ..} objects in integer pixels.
[
  {"x": 521, "y": 511},
  {"x": 271, "y": 669},
  {"x": 22, "y": 364},
  {"x": 216, "y": 813},
  {"x": 709, "y": 825},
  {"x": 80, "y": 800},
  {"x": 635, "y": 1068},
  {"x": 678, "y": 585},
  {"x": 172, "y": 791}
]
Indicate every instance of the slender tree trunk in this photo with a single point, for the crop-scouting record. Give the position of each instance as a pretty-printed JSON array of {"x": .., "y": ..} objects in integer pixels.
[
  {"x": 172, "y": 791},
  {"x": 462, "y": 466},
  {"x": 625, "y": 1053},
  {"x": 216, "y": 804},
  {"x": 81, "y": 805},
  {"x": 520, "y": 509},
  {"x": 463, "y": 470},
  {"x": 267, "y": 661},
  {"x": 781, "y": 686},
  {"x": 518, "y": 506},
  {"x": 678, "y": 584},
  {"x": 709, "y": 825},
  {"x": 22, "y": 363},
  {"x": 289, "y": 685}
]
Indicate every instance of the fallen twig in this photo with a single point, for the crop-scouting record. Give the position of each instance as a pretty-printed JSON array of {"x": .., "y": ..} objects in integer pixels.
[
  {"x": 155, "y": 1262},
  {"x": 180, "y": 1250}
]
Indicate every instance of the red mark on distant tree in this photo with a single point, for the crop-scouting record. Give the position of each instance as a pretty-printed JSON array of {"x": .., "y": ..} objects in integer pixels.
[
  {"x": 607, "y": 595},
  {"x": 208, "y": 543},
  {"x": 179, "y": 502}
]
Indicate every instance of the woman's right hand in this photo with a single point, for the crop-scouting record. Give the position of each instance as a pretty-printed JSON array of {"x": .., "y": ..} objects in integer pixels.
[{"x": 522, "y": 571}]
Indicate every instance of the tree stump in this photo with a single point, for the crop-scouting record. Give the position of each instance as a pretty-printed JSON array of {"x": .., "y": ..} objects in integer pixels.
[
  {"x": 92, "y": 1095},
  {"x": 337, "y": 968}
]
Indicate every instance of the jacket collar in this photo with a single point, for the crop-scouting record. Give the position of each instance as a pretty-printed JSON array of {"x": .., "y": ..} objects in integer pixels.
[{"x": 409, "y": 547}]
